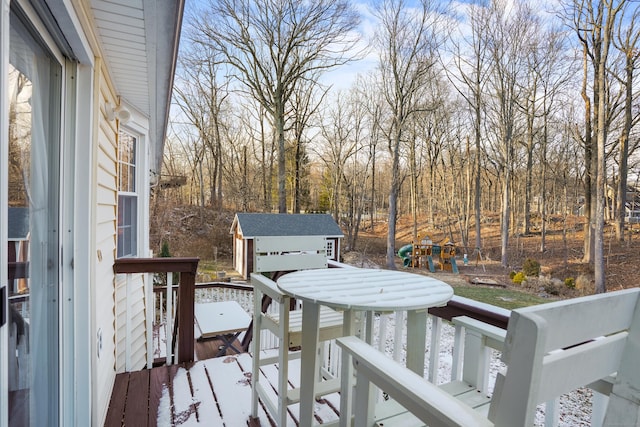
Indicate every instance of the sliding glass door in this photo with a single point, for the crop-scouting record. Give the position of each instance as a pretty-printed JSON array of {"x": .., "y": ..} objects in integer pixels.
[{"x": 32, "y": 195}]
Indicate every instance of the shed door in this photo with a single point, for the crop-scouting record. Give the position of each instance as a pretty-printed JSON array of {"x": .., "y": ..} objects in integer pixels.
[{"x": 29, "y": 199}]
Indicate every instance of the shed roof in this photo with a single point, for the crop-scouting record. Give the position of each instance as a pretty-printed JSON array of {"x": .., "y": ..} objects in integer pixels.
[{"x": 252, "y": 225}]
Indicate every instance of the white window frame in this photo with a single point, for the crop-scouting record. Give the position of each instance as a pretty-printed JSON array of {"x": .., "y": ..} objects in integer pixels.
[
  {"x": 331, "y": 248},
  {"x": 137, "y": 126},
  {"x": 132, "y": 195}
]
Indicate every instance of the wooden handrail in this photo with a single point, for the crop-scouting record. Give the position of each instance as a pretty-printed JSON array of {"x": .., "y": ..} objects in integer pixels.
[
  {"x": 186, "y": 293},
  {"x": 156, "y": 265},
  {"x": 459, "y": 306}
]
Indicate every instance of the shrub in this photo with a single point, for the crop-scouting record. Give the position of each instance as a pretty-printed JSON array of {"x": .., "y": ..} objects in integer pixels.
[
  {"x": 551, "y": 289},
  {"x": 570, "y": 283},
  {"x": 164, "y": 251},
  {"x": 584, "y": 284},
  {"x": 531, "y": 267},
  {"x": 518, "y": 278},
  {"x": 512, "y": 275}
]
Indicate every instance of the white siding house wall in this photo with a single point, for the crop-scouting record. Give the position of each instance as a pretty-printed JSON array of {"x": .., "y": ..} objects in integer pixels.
[
  {"x": 131, "y": 338},
  {"x": 105, "y": 235}
]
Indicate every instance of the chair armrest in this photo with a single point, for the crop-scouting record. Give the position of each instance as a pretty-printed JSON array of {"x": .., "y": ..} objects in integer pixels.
[
  {"x": 267, "y": 287},
  {"x": 494, "y": 336},
  {"x": 423, "y": 399}
]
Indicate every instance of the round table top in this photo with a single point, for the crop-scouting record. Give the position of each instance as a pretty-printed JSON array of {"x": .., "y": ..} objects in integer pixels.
[{"x": 366, "y": 289}]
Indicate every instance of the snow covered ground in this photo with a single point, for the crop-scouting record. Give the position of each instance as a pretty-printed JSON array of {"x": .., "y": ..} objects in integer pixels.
[{"x": 574, "y": 408}]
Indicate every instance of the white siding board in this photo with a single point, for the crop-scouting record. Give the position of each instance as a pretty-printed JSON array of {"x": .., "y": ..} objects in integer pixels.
[
  {"x": 137, "y": 4},
  {"x": 124, "y": 36},
  {"x": 127, "y": 53},
  {"x": 133, "y": 300},
  {"x": 115, "y": 5},
  {"x": 107, "y": 235},
  {"x": 108, "y": 180},
  {"x": 126, "y": 49},
  {"x": 117, "y": 35},
  {"x": 107, "y": 248},
  {"x": 105, "y": 215},
  {"x": 107, "y": 159},
  {"x": 106, "y": 196},
  {"x": 120, "y": 13}
]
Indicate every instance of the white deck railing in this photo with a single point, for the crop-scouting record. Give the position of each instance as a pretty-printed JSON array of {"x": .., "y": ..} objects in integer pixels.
[{"x": 443, "y": 356}]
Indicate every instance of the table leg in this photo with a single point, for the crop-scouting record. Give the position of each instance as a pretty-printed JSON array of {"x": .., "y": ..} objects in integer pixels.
[
  {"x": 346, "y": 372},
  {"x": 227, "y": 343},
  {"x": 416, "y": 340},
  {"x": 368, "y": 326},
  {"x": 309, "y": 361}
]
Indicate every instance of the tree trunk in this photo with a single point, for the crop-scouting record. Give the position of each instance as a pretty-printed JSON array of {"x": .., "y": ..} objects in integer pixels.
[{"x": 282, "y": 173}]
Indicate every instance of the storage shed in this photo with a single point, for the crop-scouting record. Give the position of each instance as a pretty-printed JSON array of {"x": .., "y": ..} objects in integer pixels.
[{"x": 289, "y": 229}]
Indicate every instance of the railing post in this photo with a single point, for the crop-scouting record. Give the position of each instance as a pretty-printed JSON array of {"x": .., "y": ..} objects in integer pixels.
[
  {"x": 168, "y": 319},
  {"x": 187, "y": 267},
  {"x": 185, "y": 315}
]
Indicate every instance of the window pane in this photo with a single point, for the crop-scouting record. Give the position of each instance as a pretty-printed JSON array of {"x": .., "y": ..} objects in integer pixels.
[
  {"x": 127, "y": 159},
  {"x": 127, "y": 199},
  {"x": 127, "y": 226}
]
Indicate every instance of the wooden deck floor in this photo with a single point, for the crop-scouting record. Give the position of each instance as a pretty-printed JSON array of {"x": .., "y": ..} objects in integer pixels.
[{"x": 211, "y": 392}]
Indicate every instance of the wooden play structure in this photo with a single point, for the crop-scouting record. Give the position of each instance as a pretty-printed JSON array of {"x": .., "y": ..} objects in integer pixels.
[{"x": 420, "y": 254}]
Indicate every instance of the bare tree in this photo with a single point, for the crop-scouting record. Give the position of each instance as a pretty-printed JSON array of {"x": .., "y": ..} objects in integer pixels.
[
  {"x": 554, "y": 74},
  {"x": 337, "y": 131},
  {"x": 201, "y": 93},
  {"x": 509, "y": 33},
  {"x": 356, "y": 173},
  {"x": 407, "y": 40},
  {"x": 305, "y": 102},
  {"x": 594, "y": 25},
  {"x": 626, "y": 41},
  {"x": 272, "y": 45},
  {"x": 471, "y": 59},
  {"x": 373, "y": 102}
]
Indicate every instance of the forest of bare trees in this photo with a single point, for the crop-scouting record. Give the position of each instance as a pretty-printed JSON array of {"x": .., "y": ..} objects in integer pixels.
[{"x": 529, "y": 109}]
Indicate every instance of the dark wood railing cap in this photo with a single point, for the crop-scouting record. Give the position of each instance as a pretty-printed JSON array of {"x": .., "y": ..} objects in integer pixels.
[{"x": 156, "y": 265}]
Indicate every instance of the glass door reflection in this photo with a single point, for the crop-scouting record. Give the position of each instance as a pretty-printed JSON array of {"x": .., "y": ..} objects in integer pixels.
[{"x": 34, "y": 87}]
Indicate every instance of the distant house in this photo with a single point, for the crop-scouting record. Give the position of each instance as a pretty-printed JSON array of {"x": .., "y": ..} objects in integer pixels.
[{"x": 247, "y": 227}]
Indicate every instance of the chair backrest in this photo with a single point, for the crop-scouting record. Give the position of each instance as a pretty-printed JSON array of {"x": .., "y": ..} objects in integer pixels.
[
  {"x": 289, "y": 253},
  {"x": 553, "y": 348}
]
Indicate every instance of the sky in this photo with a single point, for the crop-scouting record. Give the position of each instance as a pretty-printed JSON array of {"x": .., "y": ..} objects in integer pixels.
[{"x": 343, "y": 77}]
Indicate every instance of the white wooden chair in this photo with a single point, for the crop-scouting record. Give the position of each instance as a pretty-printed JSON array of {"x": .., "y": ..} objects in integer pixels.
[
  {"x": 549, "y": 349},
  {"x": 279, "y": 254}
]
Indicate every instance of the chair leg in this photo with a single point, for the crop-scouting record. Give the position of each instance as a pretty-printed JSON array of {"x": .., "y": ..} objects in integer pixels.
[
  {"x": 283, "y": 362},
  {"x": 255, "y": 378}
]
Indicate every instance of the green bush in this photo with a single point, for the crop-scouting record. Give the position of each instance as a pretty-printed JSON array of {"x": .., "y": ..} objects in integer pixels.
[
  {"x": 570, "y": 283},
  {"x": 531, "y": 268},
  {"x": 518, "y": 278},
  {"x": 164, "y": 250},
  {"x": 512, "y": 275}
]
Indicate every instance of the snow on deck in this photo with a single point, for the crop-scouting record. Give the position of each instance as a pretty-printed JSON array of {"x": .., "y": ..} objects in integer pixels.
[{"x": 211, "y": 392}]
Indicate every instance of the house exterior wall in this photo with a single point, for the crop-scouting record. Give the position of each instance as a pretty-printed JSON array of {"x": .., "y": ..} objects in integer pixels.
[
  {"x": 105, "y": 250},
  {"x": 120, "y": 310},
  {"x": 103, "y": 316}
]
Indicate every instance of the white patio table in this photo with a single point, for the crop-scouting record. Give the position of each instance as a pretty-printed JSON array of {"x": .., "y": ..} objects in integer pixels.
[
  {"x": 359, "y": 289},
  {"x": 223, "y": 320}
]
